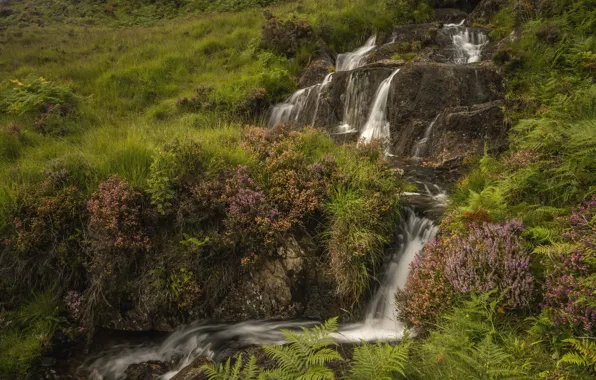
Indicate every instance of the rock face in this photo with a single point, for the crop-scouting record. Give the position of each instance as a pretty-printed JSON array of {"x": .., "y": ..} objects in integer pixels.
[
  {"x": 460, "y": 97},
  {"x": 422, "y": 91},
  {"x": 284, "y": 287},
  {"x": 315, "y": 72}
]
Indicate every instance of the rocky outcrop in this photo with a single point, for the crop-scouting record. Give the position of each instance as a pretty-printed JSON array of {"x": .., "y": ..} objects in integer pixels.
[
  {"x": 464, "y": 100},
  {"x": 284, "y": 287},
  {"x": 315, "y": 72},
  {"x": 420, "y": 92}
]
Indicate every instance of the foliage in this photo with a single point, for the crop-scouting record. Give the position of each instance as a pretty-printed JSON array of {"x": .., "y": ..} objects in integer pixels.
[
  {"x": 570, "y": 282},
  {"x": 237, "y": 371},
  {"x": 380, "y": 361},
  {"x": 584, "y": 354},
  {"x": 305, "y": 354},
  {"x": 427, "y": 293},
  {"x": 26, "y": 333},
  {"x": 466, "y": 345},
  {"x": 43, "y": 247}
]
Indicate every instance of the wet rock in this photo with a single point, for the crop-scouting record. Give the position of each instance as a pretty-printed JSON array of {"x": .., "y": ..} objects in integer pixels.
[
  {"x": 315, "y": 72},
  {"x": 421, "y": 91},
  {"x": 150, "y": 370},
  {"x": 485, "y": 11},
  {"x": 445, "y": 48},
  {"x": 449, "y": 15},
  {"x": 466, "y": 131},
  {"x": 193, "y": 371}
]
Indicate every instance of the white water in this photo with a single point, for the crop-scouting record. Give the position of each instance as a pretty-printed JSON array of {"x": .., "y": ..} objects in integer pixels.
[
  {"x": 421, "y": 145},
  {"x": 355, "y": 102},
  {"x": 326, "y": 82},
  {"x": 467, "y": 43},
  {"x": 353, "y": 60},
  {"x": 216, "y": 341},
  {"x": 377, "y": 126},
  {"x": 291, "y": 108}
]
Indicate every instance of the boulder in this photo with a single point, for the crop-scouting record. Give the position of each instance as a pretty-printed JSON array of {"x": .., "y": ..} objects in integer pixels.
[
  {"x": 421, "y": 91},
  {"x": 151, "y": 370},
  {"x": 315, "y": 72}
]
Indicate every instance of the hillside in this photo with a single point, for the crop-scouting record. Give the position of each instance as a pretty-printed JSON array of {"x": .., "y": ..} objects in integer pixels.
[{"x": 165, "y": 162}]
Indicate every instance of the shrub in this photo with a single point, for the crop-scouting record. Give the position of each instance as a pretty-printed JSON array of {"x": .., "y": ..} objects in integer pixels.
[
  {"x": 36, "y": 97},
  {"x": 45, "y": 242},
  {"x": 285, "y": 36},
  {"x": 483, "y": 258},
  {"x": 116, "y": 217},
  {"x": 570, "y": 286},
  {"x": 117, "y": 233},
  {"x": 492, "y": 256}
]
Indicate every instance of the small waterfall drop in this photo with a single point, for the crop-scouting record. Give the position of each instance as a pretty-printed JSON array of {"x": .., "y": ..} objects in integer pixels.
[
  {"x": 377, "y": 126},
  {"x": 320, "y": 89},
  {"x": 356, "y": 103},
  {"x": 290, "y": 109},
  {"x": 468, "y": 43},
  {"x": 353, "y": 60},
  {"x": 221, "y": 340},
  {"x": 421, "y": 145}
]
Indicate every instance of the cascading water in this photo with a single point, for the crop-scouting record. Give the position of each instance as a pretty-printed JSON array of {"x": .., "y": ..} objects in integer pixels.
[
  {"x": 467, "y": 43},
  {"x": 356, "y": 103},
  {"x": 217, "y": 341},
  {"x": 291, "y": 108},
  {"x": 328, "y": 79},
  {"x": 353, "y": 60},
  {"x": 421, "y": 145},
  {"x": 377, "y": 126}
]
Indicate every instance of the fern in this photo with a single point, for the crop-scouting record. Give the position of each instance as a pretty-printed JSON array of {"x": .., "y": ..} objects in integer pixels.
[
  {"x": 305, "y": 354},
  {"x": 584, "y": 355},
  {"x": 227, "y": 371},
  {"x": 379, "y": 361}
]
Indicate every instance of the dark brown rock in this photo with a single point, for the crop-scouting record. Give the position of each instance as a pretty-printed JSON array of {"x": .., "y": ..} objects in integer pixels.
[
  {"x": 193, "y": 371},
  {"x": 151, "y": 370},
  {"x": 315, "y": 72}
]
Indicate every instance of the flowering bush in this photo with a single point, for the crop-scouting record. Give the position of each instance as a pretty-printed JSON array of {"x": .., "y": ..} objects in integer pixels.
[
  {"x": 251, "y": 221},
  {"x": 486, "y": 257},
  {"x": 115, "y": 221},
  {"x": 491, "y": 256},
  {"x": 570, "y": 284}
]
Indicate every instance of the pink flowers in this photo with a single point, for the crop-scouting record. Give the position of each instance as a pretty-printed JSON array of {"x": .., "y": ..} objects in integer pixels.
[
  {"x": 488, "y": 256},
  {"x": 491, "y": 256}
]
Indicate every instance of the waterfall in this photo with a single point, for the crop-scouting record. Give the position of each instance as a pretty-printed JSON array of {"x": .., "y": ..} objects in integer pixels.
[
  {"x": 355, "y": 102},
  {"x": 467, "y": 43},
  {"x": 353, "y": 60},
  {"x": 421, "y": 145},
  {"x": 290, "y": 109},
  {"x": 328, "y": 79},
  {"x": 377, "y": 126},
  {"x": 220, "y": 340}
]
